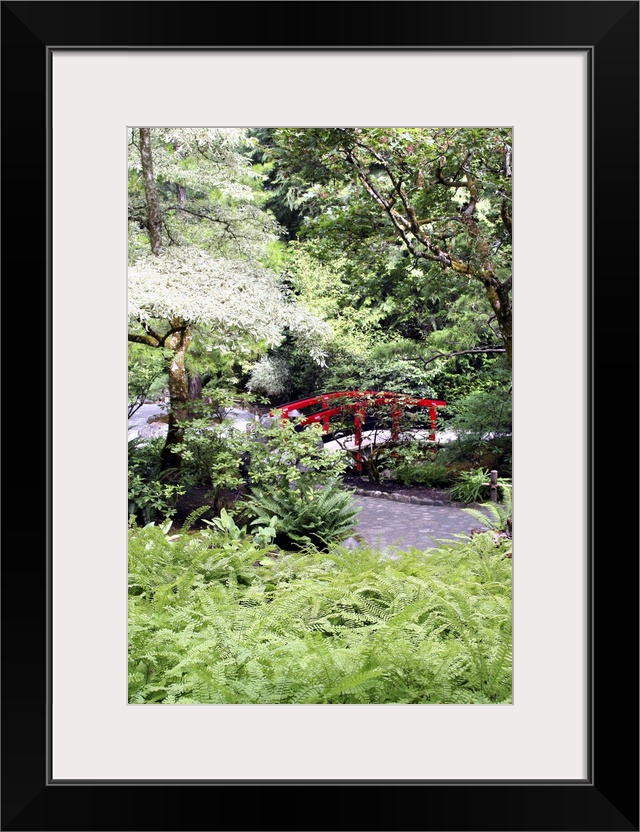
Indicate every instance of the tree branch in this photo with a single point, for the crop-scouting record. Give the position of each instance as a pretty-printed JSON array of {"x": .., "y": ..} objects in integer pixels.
[
  {"x": 151, "y": 338},
  {"x": 477, "y": 350},
  {"x": 448, "y": 182},
  {"x": 159, "y": 338},
  {"x": 136, "y": 338},
  {"x": 406, "y": 226}
]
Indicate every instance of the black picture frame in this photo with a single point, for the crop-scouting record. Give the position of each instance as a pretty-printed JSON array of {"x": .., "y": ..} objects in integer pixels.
[{"x": 608, "y": 798}]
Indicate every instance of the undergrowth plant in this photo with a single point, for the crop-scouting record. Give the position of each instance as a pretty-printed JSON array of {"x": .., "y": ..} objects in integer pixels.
[
  {"x": 151, "y": 497},
  {"x": 472, "y": 486},
  {"x": 217, "y": 619},
  {"x": 431, "y": 474},
  {"x": 226, "y": 523},
  {"x": 500, "y": 515},
  {"x": 268, "y": 457},
  {"x": 305, "y": 515}
]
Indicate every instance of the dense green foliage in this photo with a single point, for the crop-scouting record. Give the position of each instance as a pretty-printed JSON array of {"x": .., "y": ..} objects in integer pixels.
[
  {"x": 402, "y": 242},
  {"x": 216, "y": 619},
  {"x": 441, "y": 197},
  {"x": 150, "y": 495},
  {"x": 146, "y": 376},
  {"x": 392, "y": 269},
  {"x": 270, "y": 456},
  {"x": 431, "y": 474}
]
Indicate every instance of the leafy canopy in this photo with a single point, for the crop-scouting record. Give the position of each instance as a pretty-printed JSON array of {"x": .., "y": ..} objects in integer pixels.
[{"x": 226, "y": 299}]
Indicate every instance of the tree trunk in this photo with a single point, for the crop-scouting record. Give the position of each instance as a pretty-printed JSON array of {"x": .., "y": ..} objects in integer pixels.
[
  {"x": 507, "y": 334},
  {"x": 181, "y": 196},
  {"x": 154, "y": 217},
  {"x": 178, "y": 394},
  {"x": 498, "y": 297},
  {"x": 195, "y": 386},
  {"x": 180, "y": 338}
]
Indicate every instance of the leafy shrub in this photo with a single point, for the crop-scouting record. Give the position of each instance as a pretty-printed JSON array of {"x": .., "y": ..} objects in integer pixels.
[
  {"x": 144, "y": 456},
  {"x": 278, "y": 454},
  {"x": 147, "y": 376},
  {"x": 482, "y": 413},
  {"x": 466, "y": 453},
  {"x": 225, "y": 459},
  {"x": 150, "y": 500},
  {"x": 430, "y": 474},
  {"x": 212, "y": 456},
  {"x": 306, "y": 515},
  {"x": 482, "y": 421},
  {"x": 150, "y": 496}
]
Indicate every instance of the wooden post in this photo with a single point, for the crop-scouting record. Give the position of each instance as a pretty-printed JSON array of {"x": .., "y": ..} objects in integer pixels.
[{"x": 494, "y": 486}]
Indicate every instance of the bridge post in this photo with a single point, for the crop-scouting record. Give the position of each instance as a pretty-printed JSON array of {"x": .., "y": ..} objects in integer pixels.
[
  {"x": 357, "y": 424},
  {"x": 432, "y": 414},
  {"x": 395, "y": 418}
]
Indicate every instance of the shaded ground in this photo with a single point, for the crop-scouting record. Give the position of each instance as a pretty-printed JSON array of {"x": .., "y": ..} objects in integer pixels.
[{"x": 198, "y": 496}]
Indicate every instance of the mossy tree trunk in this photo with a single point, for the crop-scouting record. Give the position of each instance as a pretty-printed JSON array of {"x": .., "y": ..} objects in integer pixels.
[
  {"x": 178, "y": 342},
  {"x": 178, "y": 337}
]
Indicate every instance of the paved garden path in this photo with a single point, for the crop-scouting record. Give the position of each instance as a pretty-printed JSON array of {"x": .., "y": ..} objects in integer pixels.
[{"x": 387, "y": 524}]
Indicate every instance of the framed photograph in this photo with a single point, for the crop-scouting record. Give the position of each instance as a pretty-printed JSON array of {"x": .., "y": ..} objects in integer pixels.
[{"x": 563, "y": 76}]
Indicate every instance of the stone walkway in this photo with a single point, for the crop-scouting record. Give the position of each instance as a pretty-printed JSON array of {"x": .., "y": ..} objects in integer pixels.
[{"x": 389, "y": 524}]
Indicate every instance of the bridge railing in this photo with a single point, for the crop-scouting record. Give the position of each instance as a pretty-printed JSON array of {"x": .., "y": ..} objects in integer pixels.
[{"x": 355, "y": 403}]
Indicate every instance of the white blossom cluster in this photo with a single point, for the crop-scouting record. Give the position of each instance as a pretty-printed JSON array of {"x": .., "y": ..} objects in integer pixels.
[{"x": 231, "y": 300}]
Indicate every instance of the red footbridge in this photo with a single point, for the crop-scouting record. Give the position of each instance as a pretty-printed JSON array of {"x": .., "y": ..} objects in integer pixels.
[{"x": 356, "y": 403}]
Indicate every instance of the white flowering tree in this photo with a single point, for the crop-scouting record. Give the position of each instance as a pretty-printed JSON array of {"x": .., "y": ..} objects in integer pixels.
[{"x": 196, "y": 237}]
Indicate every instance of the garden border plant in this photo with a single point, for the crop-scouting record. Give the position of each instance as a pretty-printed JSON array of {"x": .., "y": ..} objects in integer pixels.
[{"x": 216, "y": 618}]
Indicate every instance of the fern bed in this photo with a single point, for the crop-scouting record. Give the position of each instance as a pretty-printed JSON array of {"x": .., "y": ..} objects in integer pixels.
[{"x": 215, "y": 619}]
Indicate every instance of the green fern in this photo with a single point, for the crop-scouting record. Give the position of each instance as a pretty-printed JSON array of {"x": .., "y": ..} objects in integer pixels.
[
  {"x": 193, "y": 518},
  {"x": 306, "y": 516},
  {"x": 473, "y": 486},
  {"x": 499, "y": 517},
  {"x": 213, "y": 621}
]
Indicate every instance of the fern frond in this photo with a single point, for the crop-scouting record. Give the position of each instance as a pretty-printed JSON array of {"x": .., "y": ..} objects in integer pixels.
[{"x": 193, "y": 517}]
